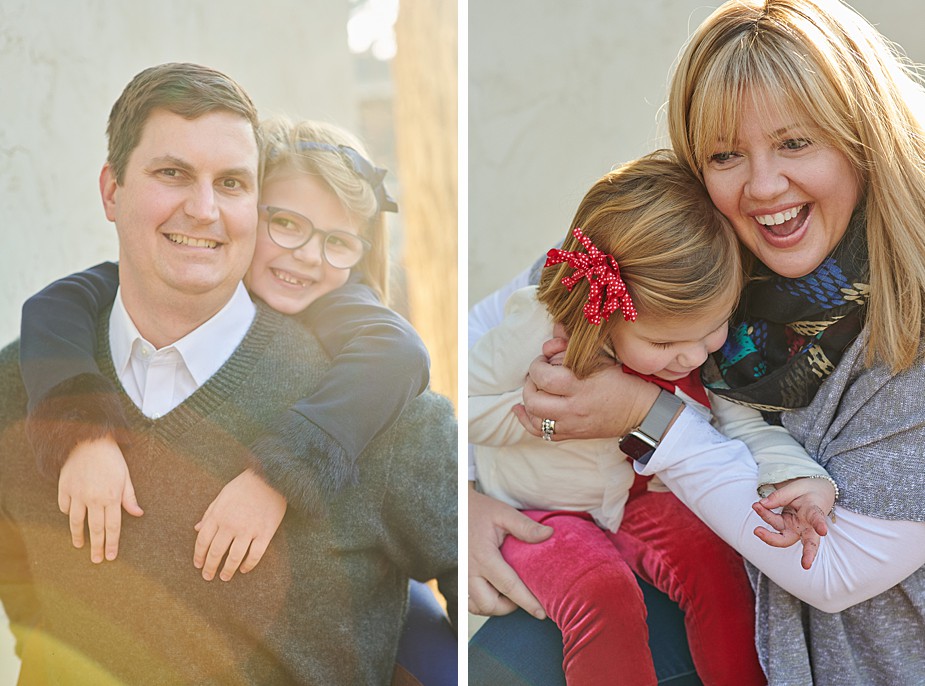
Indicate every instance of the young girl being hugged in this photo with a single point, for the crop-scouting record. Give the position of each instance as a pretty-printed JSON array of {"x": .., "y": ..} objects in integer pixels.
[{"x": 647, "y": 276}]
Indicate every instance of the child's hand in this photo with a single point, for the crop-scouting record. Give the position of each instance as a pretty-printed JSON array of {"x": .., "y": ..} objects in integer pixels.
[
  {"x": 805, "y": 503},
  {"x": 245, "y": 514},
  {"x": 94, "y": 485}
]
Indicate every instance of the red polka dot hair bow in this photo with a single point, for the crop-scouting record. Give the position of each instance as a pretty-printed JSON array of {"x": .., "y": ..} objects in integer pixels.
[{"x": 608, "y": 291}]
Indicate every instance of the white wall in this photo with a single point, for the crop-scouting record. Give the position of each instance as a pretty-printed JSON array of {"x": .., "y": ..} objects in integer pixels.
[
  {"x": 64, "y": 62},
  {"x": 62, "y": 65},
  {"x": 559, "y": 92}
]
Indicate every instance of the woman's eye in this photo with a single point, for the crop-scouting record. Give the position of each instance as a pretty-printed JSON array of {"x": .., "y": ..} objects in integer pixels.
[
  {"x": 796, "y": 143},
  {"x": 721, "y": 157}
]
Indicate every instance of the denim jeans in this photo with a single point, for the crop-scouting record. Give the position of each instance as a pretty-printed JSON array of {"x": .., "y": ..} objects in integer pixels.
[{"x": 518, "y": 650}]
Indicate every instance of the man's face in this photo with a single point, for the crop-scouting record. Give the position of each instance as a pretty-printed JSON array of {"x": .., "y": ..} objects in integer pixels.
[{"x": 186, "y": 211}]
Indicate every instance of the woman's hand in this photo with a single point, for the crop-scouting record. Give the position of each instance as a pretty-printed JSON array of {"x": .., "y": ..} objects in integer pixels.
[
  {"x": 805, "y": 503},
  {"x": 495, "y": 588},
  {"x": 606, "y": 404}
]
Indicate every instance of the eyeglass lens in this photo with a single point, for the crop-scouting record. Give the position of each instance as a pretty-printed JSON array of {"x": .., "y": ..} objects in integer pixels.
[{"x": 291, "y": 230}]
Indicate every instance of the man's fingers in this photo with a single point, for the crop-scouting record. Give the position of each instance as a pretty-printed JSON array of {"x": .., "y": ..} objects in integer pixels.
[{"x": 484, "y": 599}]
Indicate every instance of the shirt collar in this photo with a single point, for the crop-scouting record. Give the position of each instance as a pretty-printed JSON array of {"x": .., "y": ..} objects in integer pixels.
[{"x": 204, "y": 349}]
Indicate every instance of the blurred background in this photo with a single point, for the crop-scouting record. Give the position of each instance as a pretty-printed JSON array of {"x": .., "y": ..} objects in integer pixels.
[{"x": 386, "y": 71}]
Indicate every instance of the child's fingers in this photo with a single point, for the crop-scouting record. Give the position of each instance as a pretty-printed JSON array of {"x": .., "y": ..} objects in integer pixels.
[
  {"x": 810, "y": 547},
  {"x": 236, "y": 554},
  {"x": 96, "y": 524},
  {"x": 206, "y": 532},
  {"x": 113, "y": 524},
  {"x": 76, "y": 516},
  {"x": 64, "y": 502},
  {"x": 217, "y": 550},
  {"x": 258, "y": 548},
  {"x": 770, "y": 518},
  {"x": 818, "y": 521},
  {"x": 129, "y": 501},
  {"x": 783, "y": 539}
]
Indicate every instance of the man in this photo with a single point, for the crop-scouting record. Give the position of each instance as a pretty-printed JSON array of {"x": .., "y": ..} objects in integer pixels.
[{"x": 200, "y": 371}]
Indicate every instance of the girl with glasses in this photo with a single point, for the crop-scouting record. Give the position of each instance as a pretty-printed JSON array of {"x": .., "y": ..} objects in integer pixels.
[{"x": 321, "y": 255}]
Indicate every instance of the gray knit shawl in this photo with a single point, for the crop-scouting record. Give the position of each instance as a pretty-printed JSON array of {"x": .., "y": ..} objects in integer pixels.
[
  {"x": 324, "y": 606},
  {"x": 867, "y": 428}
]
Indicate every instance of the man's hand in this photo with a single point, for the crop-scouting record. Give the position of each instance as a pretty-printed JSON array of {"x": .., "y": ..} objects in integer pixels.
[
  {"x": 244, "y": 516},
  {"x": 495, "y": 588},
  {"x": 805, "y": 503},
  {"x": 606, "y": 404},
  {"x": 93, "y": 486}
]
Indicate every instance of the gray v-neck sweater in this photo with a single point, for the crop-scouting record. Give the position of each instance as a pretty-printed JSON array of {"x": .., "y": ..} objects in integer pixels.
[{"x": 324, "y": 606}]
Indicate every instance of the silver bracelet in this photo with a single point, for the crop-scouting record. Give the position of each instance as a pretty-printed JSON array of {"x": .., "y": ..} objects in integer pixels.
[{"x": 837, "y": 492}]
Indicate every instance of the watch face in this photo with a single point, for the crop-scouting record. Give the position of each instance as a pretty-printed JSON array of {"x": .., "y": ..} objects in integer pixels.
[{"x": 636, "y": 447}]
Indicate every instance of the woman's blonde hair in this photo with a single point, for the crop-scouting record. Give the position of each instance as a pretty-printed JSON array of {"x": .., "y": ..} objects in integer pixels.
[
  {"x": 821, "y": 62},
  {"x": 675, "y": 250},
  {"x": 286, "y": 147}
]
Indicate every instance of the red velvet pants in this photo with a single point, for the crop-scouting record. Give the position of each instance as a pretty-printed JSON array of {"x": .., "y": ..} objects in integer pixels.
[{"x": 583, "y": 577}]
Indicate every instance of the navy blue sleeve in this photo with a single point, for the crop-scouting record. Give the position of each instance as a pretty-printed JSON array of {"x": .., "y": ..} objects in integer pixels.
[
  {"x": 70, "y": 401},
  {"x": 58, "y": 328},
  {"x": 379, "y": 365}
]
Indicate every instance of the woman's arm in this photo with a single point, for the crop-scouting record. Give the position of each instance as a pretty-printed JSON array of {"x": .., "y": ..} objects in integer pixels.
[
  {"x": 379, "y": 365},
  {"x": 861, "y": 556},
  {"x": 779, "y": 456}
]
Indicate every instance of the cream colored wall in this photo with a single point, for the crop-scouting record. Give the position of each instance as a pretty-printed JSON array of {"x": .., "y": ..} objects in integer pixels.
[
  {"x": 560, "y": 92},
  {"x": 64, "y": 62}
]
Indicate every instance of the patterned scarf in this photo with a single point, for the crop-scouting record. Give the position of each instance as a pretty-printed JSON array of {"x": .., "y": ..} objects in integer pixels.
[{"x": 788, "y": 335}]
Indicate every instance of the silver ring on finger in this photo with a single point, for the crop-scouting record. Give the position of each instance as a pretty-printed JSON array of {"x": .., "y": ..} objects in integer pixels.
[{"x": 549, "y": 428}]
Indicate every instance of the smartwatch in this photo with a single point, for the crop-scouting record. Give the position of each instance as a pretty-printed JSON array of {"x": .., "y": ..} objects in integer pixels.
[{"x": 642, "y": 441}]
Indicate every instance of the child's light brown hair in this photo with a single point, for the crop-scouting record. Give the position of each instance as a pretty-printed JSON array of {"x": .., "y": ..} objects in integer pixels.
[
  {"x": 677, "y": 253},
  {"x": 283, "y": 151}
]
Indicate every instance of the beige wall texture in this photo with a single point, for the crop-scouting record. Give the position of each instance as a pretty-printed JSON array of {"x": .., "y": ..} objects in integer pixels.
[
  {"x": 62, "y": 65},
  {"x": 560, "y": 92},
  {"x": 64, "y": 62}
]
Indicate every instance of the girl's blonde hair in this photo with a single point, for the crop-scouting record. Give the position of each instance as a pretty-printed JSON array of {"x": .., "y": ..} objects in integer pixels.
[
  {"x": 675, "y": 250},
  {"x": 823, "y": 64},
  {"x": 283, "y": 150}
]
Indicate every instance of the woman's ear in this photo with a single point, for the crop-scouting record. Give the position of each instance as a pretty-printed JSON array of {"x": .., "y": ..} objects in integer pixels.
[{"x": 108, "y": 188}]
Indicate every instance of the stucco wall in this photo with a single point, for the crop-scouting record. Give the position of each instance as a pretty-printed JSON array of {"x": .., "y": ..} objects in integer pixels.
[
  {"x": 560, "y": 92},
  {"x": 64, "y": 62}
]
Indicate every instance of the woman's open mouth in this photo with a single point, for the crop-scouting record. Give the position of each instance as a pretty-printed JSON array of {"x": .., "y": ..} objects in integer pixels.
[{"x": 786, "y": 223}]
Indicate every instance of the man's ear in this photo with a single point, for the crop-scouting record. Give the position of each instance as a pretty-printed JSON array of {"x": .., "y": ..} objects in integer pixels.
[{"x": 108, "y": 188}]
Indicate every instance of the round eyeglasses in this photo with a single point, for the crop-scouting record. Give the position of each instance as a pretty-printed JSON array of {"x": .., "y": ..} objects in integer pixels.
[{"x": 291, "y": 230}]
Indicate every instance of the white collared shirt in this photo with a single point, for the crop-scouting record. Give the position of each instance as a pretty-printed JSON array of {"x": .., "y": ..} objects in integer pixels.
[{"x": 159, "y": 380}]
